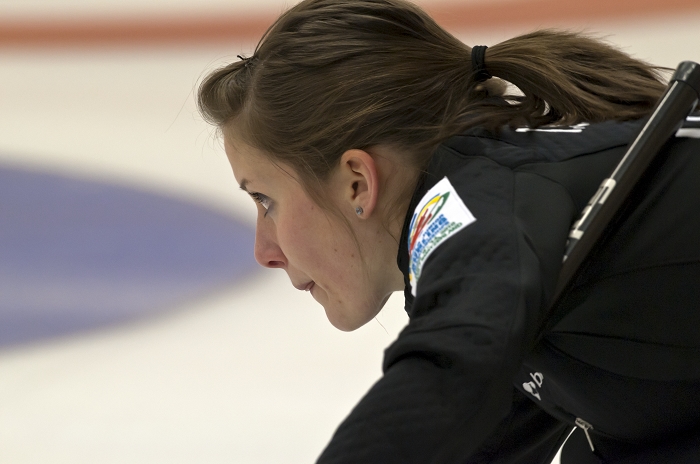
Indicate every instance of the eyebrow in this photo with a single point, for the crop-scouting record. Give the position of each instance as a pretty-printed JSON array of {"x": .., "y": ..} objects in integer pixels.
[{"x": 243, "y": 185}]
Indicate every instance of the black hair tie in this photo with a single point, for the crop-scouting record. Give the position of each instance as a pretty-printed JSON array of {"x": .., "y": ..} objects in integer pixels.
[
  {"x": 247, "y": 61},
  {"x": 478, "y": 64}
]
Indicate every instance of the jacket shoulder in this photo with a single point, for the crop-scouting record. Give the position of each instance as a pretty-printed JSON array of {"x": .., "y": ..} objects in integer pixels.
[{"x": 515, "y": 147}]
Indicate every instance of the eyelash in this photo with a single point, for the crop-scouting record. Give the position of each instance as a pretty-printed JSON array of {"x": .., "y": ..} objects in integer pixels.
[{"x": 262, "y": 200}]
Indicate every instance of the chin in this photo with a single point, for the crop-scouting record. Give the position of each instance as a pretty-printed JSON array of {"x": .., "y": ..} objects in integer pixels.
[{"x": 348, "y": 320}]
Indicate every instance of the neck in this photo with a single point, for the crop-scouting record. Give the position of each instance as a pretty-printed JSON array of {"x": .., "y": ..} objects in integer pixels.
[{"x": 398, "y": 184}]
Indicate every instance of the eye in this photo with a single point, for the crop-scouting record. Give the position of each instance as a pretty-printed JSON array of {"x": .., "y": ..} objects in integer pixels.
[{"x": 264, "y": 201}]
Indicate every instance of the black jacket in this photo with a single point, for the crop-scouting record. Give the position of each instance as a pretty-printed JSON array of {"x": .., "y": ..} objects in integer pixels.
[{"x": 623, "y": 359}]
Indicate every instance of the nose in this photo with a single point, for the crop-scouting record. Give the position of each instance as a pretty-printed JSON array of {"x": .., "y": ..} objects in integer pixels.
[{"x": 267, "y": 251}]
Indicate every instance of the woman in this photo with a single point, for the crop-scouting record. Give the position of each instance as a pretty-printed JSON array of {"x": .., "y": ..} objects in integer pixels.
[{"x": 386, "y": 155}]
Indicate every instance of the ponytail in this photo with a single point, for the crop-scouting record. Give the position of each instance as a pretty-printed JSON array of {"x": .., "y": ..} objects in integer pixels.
[
  {"x": 331, "y": 75},
  {"x": 567, "y": 78}
]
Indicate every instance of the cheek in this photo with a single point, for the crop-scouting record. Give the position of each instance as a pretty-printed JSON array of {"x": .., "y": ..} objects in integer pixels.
[{"x": 323, "y": 246}]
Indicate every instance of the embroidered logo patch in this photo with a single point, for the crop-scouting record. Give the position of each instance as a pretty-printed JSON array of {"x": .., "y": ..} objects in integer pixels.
[{"x": 440, "y": 214}]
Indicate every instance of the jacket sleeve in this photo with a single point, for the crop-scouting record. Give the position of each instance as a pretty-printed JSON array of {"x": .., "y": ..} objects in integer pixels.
[{"x": 448, "y": 378}]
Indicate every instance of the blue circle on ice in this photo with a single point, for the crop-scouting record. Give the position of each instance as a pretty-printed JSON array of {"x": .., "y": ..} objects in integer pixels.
[{"x": 78, "y": 254}]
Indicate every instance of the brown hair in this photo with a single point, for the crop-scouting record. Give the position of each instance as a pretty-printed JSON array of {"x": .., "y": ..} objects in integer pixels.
[{"x": 331, "y": 75}]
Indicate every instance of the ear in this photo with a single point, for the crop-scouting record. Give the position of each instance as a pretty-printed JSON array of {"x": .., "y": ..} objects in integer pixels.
[{"x": 358, "y": 181}]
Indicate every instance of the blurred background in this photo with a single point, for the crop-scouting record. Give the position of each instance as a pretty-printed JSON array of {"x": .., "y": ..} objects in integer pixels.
[{"x": 135, "y": 326}]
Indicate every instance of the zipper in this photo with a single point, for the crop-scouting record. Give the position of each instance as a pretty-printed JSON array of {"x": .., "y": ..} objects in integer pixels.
[{"x": 585, "y": 426}]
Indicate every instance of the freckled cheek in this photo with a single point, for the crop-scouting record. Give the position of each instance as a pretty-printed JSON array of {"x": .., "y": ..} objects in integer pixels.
[
  {"x": 299, "y": 244},
  {"x": 324, "y": 251},
  {"x": 322, "y": 259}
]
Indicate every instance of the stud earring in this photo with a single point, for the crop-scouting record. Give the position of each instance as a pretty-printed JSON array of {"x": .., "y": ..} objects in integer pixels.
[{"x": 359, "y": 210}]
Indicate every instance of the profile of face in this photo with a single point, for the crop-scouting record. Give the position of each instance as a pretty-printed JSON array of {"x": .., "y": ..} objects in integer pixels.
[{"x": 348, "y": 266}]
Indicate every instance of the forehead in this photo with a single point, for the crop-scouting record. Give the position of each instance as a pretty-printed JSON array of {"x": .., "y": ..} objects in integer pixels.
[
  {"x": 245, "y": 160},
  {"x": 253, "y": 167}
]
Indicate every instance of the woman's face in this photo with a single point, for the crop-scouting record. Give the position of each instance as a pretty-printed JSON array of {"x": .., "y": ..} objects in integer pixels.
[{"x": 317, "y": 249}]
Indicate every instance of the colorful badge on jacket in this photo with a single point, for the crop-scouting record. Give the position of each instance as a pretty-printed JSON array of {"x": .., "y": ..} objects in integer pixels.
[{"x": 439, "y": 215}]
